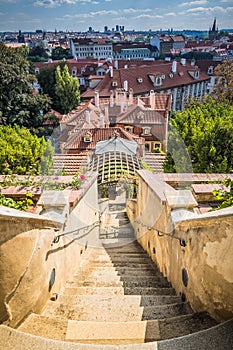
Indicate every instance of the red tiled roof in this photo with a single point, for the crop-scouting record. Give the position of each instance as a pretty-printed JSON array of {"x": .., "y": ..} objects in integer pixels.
[
  {"x": 76, "y": 142},
  {"x": 138, "y": 79}
]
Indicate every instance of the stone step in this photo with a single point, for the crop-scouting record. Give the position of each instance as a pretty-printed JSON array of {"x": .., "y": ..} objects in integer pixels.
[
  {"x": 94, "y": 290},
  {"x": 116, "y": 332},
  {"x": 117, "y": 283},
  {"x": 133, "y": 332},
  {"x": 149, "y": 291},
  {"x": 43, "y": 326},
  {"x": 95, "y": 283},
  {"x": 109, "y": 313},
  {"x": 134, "y": 270},
  {"x": 166, "y": 311},
  {"x": 146, "y": 284},
  {"x": 182, "y": 325},
  {"x": 135, "y": 274},
  {"x": 117, "y": 242},
  {"x": 128, "y": 258},
  {"x": 115, "y": 300},
  {"x": 97, "y": 313}
]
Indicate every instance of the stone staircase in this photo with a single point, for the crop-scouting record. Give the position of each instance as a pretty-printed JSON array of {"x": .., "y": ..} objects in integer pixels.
[
  {"x": 155, "y": 161},
  {"x": 118, "y": 297}
]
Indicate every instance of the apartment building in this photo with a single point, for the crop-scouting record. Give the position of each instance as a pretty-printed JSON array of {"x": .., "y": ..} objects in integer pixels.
[{"x": 91, "y": 47}]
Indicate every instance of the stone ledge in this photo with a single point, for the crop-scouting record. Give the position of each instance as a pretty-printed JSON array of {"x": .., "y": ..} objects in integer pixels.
[{"x": 11, "y": 339}]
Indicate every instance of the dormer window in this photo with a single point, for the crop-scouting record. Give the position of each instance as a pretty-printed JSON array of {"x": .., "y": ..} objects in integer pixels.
[
  {"x": 87, "y": 137},
  {"x": 74, "y": 72},
  {"x": 211, "y": 70},
  {"x": 196, "y": 74},
  {"x": 140, "y": 116},
  {"x": 146, "y": 130},
  {"x": 37, "y": 70},
  {"x": 114, "y": 83},
  {"x": 139, "y": 80},
  {"x": 156, "y": 79}
]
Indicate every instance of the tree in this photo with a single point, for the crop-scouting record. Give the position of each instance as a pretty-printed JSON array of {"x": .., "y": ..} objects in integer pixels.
[
  {"x": 203, "y": 132},
  {"x": 225, "y": 196},
  {"x": 47, "y": 81},
  {"x": 59, "y": 53},
  {"x": 18, "y": 104},
  {"x": 21, "y": 152},
  {"x": 66, "y": 90},
  {"x": 223, "y": 89}
]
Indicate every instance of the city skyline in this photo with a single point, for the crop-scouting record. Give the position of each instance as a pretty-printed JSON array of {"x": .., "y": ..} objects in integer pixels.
[{"x": 79, "y": 15}]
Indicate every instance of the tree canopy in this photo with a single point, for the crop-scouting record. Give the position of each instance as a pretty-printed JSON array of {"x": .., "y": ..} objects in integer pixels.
[
  {"x": 223, "y": 89},
  {"x": 59, "y": 53},
  {"x": 63, "y": 89},
  {"x": 66, "y": 89},
  {"x": 21, "y": 152},
  {"x": 18, "y": 102},
  {"x": 201, "y": 138}
]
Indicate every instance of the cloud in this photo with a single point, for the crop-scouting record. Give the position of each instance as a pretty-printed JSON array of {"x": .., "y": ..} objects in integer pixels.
[
  {"x": 148, "y": 16},
  {"x": 131, "y": 10},
  {"x": 57, "y": 3},
  {"x": 173, "y": 14},
  {"x": 206, "y": 10},
  {"x": 8, "y": 1},
  {"x": 226, "y": 1},
  {"x": 191, "y": 3}
]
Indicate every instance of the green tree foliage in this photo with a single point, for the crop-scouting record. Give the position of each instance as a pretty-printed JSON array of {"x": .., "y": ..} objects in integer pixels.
[
  {"x": 21, "y": 152},
  {"x": 66, "y": 90},
  {"x": 223, "y": 89},
  {"x": 226, "y": 196},
  {"x": 203, "y": 132},
  {"x": 59, "y": 53},
  {"x": 47, "y": 81},
  {"x": 37, "y": 53},
  {"x": 18, "y": 104}
]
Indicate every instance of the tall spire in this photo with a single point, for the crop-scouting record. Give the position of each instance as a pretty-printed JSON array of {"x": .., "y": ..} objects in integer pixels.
[{"x": 214, "y": 25}]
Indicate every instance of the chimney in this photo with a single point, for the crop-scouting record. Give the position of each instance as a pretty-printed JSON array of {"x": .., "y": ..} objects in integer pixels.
[
  {"x": 106, "y": 115},
  {"x": 97, "y": 99},
  {"x": 192, "y": 62},
  {"x": 111, "y": 71},
  {"x": 152, "y": 99},
  {"x": 122, "y": 100},
  {"x": 111, "y": 99},
  {"x": 174, "y": 66},
  {"x": 130, "y": 96},
  {"x": 125, "y": 85},
  {"x": 117, "y": 97},
  {"x": 116, "y": 64},
  {"x": 183, "y": 61},
  {"x": 88, "y": 117}
]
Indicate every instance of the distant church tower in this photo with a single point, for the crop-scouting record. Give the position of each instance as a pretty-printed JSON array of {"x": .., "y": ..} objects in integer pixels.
[{"x": 213, "y": 33}]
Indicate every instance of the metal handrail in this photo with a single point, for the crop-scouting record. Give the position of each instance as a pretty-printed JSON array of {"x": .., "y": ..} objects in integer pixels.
[
  {"x": 160, "y": 233},
  {"x": 75, "y": 232}
]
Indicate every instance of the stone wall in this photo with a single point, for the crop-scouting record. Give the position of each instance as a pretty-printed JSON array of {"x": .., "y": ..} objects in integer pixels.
[
  {"x": 34, "y": 267},
  {"x": 194, "y": 251}
]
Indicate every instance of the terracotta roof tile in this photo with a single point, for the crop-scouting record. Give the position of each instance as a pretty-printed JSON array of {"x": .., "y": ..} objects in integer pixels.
[{"x": 138, "y": 79}]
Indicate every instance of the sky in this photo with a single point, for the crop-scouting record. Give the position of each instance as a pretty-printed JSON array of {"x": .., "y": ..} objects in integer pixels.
[{"x": 79, "y": 15}]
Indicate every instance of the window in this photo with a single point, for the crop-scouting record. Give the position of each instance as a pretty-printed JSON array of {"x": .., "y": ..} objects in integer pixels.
[
  {"x": 147, "y": 147},
  {"x": 74, "y": 72},
  {"x": 129, "y": 128},
  {"x": 146, "y": 130},
  {"x": 157, "y": 145},
  {"x": 211, "y": 70}
]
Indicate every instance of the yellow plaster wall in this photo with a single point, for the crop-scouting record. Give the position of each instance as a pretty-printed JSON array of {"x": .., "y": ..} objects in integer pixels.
[
  {"x": 207, "y": 256},
  {"x": 27, "y": 257}
]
